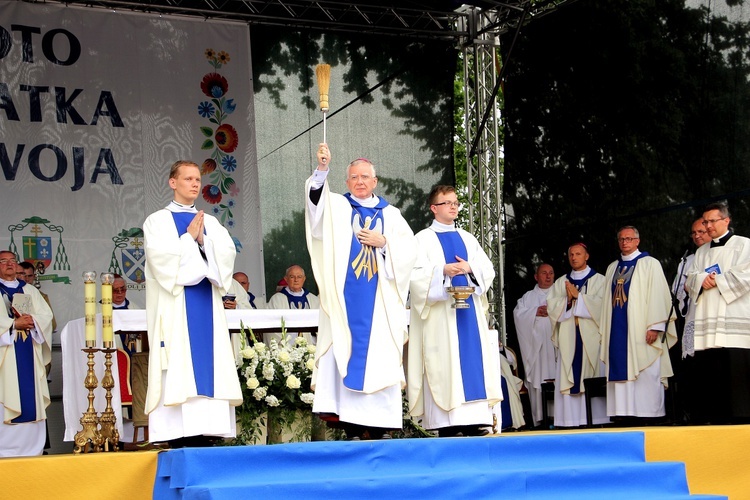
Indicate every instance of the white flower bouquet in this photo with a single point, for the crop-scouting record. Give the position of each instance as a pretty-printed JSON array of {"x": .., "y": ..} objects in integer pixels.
[{"x": 275, "y": 382}]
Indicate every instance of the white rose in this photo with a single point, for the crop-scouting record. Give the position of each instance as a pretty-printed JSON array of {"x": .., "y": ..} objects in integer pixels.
[
  {"x": 307, "y": 398},
  {"x": 252, "y": 383},
  {"x": 259, "y": 347},
  {"x": 284, "y": 356},
  {"x": 310, "y": 364},
  {"x": 272, "y": 401},
  {"x": 248, "y": 353},
  {"x": 311, "y": 349},
  {"x": 293, "y": 382}
]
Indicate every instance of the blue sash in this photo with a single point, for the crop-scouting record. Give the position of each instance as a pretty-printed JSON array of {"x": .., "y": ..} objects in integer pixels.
[
  {"x": 24, "y": 363},
  {"x": 469, "y": 343},
  {"x": 618, "y": 337},
  {"x": 295, "y": 302},
  {"x": 200, "y": 321},
  {"x": 360, "y": 288},
  {"x": 580, "y": 284}
]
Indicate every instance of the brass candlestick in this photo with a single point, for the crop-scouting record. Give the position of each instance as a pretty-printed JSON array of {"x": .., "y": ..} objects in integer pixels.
[
  {"x": 109, "y": 433},
  {"x": 88, "y": 439}
]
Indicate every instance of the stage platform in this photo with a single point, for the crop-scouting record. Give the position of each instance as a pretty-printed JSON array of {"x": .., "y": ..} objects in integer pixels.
[{"x": 512, "y": 465}]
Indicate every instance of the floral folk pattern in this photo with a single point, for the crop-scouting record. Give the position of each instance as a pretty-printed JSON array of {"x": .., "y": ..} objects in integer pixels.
[{"x": 222, "y": 140}]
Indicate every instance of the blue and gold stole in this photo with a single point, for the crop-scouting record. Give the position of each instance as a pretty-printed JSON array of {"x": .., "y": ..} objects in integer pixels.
[
  {"x": 618, "y": 337},
  {"x": 24, "y": 347},
  {"x": 360, "y": 288},
  {"x": 577, "y": 367}
]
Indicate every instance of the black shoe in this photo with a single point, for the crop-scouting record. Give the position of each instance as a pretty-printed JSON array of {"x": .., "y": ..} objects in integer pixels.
[
  {"x": 474, "y": 430},
  {"x": 453, "y": 431}
]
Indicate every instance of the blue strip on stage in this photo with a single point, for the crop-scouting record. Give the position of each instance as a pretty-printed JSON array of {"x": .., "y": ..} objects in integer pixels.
[{"x": 550, "y": 466}]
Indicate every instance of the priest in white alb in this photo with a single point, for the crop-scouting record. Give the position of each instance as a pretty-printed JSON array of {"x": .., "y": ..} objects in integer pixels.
[
  {"x": 574, "y": 306},
  {"x": 534, "y": 333},
  {"x": 192, "y": 385},
  {"x": 719, "y": 285},
  {"x": 25, "y": 340},
  {"x": 362, "y": 253},
  {"x": 454, "y": 370},
  {"x": 637, "y": 331}
]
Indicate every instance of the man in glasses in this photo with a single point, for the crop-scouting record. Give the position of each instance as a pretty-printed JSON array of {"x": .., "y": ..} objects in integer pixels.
[
  {"x": 719, "y": 284},
  {"x": 454, "y": 376},
  {"x": 682, "y": 357},
  {"x": 634, "y": 321},
  {"x": 362, "y": 253},
  {"x": 25, "y": 350}
]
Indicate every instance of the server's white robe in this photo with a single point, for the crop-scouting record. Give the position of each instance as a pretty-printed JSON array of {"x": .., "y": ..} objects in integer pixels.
[
  {"x": 329, "y": 234},
  {"x": 538, "y": 353},
  {"x": 173, "y": 262},
  {"x": 434, "y": 363},
  {"x": 722, "y": 313},
  {"x": 570, "y": 409},
  {"x": 25, "y": 439},
  {"x": 649, "y": 367},
  {"x": 514, "y": 395}
]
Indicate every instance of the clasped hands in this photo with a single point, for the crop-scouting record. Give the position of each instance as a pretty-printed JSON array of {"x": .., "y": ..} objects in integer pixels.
[
  {"x": 571, "y": 291},
  {"x": 23, "y": 322},
  {"x": 195, "y": 228},
  {"x": 459, "y": 267}
]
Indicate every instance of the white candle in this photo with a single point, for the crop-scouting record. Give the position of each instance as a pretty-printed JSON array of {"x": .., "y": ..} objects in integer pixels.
[
  {"x": 107, "y": 332},
  {"x": 89, "y": 306}
]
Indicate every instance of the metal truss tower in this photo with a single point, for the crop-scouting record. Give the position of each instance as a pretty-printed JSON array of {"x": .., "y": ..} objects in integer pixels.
[{"x": 484, "y": 166}]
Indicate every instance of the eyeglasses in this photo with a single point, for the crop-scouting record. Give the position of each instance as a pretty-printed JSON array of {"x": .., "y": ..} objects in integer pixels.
[
  {"x": 697, "y": 233},
  {"x": 705, "y": 222},
  {"x": 626, "y": 240},
  {"x": 120, "y": 290},
  {"x": 357, "y": 178},
  {"x": 8, "y": 261},
  {"x": 454, "y": 204},
  {"x": 296, "y": 277}
]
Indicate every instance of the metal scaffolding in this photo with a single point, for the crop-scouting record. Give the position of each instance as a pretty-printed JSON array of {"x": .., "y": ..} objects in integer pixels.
[{"x": 483, "y": 146}]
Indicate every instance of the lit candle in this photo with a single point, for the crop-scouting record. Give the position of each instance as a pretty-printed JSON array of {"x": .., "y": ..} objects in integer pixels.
[
  {"x": 89, "y": 306},
  {"x": 107, "y": 332}
]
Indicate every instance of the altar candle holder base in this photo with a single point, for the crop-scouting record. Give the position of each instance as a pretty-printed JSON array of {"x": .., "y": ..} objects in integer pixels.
[
  {"x": 109, "y": 433},
  {"x": 88, "y": 439}
]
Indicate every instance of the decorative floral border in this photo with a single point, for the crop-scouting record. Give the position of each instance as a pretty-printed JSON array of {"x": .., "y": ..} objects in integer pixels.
[{"x": 222, "y": 140}]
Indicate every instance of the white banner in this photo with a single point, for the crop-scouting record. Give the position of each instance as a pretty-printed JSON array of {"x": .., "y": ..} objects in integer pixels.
[{"x": 95, "y": 105}]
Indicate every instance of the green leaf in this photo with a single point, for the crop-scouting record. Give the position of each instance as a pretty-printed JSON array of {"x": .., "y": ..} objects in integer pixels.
[
  {"x": 207, "y": 131},
  {"x": 207, "y": 144}
]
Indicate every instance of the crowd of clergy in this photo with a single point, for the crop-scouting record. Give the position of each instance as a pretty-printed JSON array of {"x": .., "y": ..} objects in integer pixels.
[
  {"x": 649, "y": 352},
  {"x": 617, "y": 328}
]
